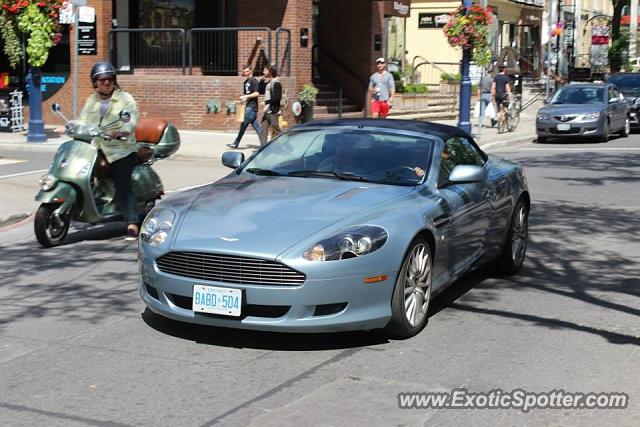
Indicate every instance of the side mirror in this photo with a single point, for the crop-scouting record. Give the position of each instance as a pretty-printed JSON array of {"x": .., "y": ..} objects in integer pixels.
[
  {"x": 232, "y": 159},
  {"x": 546, "y": 101},
  {"x": 125, "y": 116},
  {"x": 465, "y": 174},
  {"x": 55, "y": 107}
]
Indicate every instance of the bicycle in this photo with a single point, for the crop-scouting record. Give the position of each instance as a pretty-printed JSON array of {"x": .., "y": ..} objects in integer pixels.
[{"x": 509, "y": 117}]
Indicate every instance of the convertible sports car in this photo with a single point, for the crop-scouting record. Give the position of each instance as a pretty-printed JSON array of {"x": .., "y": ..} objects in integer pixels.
[{"x": 333, "y": 226}]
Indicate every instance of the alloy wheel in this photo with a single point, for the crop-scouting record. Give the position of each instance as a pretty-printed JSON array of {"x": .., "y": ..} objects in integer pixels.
[
  {"x": 519, "y": 231},
  {"x": 417, "y": 284}
]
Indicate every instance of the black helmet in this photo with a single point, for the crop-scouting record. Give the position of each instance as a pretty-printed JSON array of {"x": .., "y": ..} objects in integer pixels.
[{"x": 102, "y": 69}]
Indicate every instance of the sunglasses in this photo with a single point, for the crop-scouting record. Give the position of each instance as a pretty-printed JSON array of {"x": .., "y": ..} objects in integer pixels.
[{"x": 106, "y": 80}]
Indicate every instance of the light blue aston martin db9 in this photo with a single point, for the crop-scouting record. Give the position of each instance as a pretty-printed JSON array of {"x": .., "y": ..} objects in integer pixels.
[{"x": 334, "y": 226}]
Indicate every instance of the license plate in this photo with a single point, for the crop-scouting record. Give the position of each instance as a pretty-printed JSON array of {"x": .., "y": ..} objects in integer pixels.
[
  {"x": 213, "y": 300},
  {"x": 564, "y": 127}
]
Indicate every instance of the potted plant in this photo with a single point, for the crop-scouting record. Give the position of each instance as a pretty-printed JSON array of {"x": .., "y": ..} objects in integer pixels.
[
  {"x": 307, "y": 98},
  {"x": 449, "y": 83}
]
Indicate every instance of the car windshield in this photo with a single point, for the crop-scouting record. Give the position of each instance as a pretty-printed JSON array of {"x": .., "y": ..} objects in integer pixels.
[
  {"x": 579, "y": 95},
  {"x": 627, "y": 84},
  {"x": 353, "y": 154}
]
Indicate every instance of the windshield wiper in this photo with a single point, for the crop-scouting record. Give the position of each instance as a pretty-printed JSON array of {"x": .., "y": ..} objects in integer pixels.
[
  {"x": 266, "y": 172},
  {"x": 347, "y": 176}
]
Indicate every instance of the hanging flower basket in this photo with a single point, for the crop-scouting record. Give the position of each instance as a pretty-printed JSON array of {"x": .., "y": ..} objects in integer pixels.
[
  {"x": 38, "y": 21},
  {"x": 468, "y": 28}
]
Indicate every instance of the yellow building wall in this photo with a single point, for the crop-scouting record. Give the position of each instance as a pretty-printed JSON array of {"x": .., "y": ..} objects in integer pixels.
[{"x": 431, "y": 44}]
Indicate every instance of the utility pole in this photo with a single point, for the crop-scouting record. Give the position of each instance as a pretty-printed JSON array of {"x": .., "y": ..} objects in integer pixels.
[
  {"x": 633, "y": 31},
  {"x": 464, "y": 119},
  {"x": 552, "y": 14}
]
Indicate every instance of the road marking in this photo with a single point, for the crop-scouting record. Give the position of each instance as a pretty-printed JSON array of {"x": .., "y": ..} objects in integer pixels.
[
  {"x": 13, "y": 175},
  {"x": 585, "y": 149},
  {"x": 10, "y": 161}
]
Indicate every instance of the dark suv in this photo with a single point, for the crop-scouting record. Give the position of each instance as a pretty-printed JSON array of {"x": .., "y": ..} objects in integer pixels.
[{"x": 629, "y": 85}]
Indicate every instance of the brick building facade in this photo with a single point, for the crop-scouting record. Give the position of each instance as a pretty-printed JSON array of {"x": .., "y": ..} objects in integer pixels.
[{"x": 349, "y": 38}]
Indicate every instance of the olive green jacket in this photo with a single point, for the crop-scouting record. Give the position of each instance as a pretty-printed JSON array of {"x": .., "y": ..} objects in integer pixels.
[{"x": 113, "y": 149}]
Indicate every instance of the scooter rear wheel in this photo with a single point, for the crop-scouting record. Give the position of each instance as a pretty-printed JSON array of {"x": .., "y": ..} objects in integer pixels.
[{"x": 48, "y": 231}]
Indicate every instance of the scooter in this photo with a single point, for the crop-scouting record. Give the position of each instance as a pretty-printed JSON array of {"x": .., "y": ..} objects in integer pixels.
[{"x": 79, "y": 186}]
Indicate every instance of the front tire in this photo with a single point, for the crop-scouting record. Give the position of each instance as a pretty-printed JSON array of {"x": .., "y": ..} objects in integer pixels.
[
  {"x": 626, "y": 131},
  {"x": 605, "y": 132},
  {"x": 49, "y": 231},
  {"x": 511, "y": 259},
  {"x": 412, "y": 293}
]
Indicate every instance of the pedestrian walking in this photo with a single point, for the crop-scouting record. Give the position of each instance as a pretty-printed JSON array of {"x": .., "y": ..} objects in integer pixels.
[
  {"x": 272, "y": 99},
  {"x": 249, "y": 97},
  {"x": 484, "y": 94},
  {"x": 382, "y": 88}
]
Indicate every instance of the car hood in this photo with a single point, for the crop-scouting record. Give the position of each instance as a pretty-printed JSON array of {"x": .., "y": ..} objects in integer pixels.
[
  {"x": 558, "y": 110},
  {"x": 264, "y": 216}
]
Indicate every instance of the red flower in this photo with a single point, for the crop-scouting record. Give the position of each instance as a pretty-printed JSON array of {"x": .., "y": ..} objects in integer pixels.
[
  {"x": 42, "y": 4},
  {"x": 13, "y": 9}
]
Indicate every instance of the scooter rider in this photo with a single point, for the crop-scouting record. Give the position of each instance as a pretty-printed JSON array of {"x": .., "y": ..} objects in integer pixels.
[{"x": 103, "y": 109}]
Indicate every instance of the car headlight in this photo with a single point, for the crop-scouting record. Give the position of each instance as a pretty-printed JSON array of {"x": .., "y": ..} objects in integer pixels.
[
  {"x": 350, "y": 243},
  {"x": 156, "y": 226},
  {"x": 48, "y": 182},
  {"x": 543, "y": 116},
  {"x": 592, "y": 116}
]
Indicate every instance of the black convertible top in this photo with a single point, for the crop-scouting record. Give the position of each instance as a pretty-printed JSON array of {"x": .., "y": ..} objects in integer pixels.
[{"x": 443, "y": 131}]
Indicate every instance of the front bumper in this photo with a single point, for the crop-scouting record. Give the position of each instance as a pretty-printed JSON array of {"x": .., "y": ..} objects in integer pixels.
[
  {"x": 317, "y": 305},
  {"x": 552, "y": 128}
]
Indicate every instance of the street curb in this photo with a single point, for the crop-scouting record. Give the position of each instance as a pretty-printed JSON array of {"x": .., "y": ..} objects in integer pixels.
[
  {"x": 15, "y": 220},
  {"x": 508, "y": 142}
]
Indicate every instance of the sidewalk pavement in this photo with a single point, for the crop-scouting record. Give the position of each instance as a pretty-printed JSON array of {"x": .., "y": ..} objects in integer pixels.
[{"x": 211, "y": 145}]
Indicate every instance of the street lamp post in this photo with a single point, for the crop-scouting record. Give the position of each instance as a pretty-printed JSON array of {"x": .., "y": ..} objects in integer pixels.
[{"x": 464, "y": 119}]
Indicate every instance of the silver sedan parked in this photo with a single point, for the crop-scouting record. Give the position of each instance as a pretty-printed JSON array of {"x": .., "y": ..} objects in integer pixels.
[{"x": 577, "y": 111}]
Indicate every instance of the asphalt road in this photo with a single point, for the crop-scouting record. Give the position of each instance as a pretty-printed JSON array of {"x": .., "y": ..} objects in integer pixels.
[{"x": 77, "y": 346}]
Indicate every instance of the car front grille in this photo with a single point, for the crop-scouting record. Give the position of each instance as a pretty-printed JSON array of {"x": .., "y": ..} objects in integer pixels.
[
  {"x": 565, "y": 118},
  {"x": 229, "y": 269}
]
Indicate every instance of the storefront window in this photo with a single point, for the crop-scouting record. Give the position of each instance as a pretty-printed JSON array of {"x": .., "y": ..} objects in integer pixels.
[{"x": 396, "y": 42}]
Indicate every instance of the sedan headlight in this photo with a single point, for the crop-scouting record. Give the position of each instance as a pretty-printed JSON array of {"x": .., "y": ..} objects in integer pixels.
[
  {"x": 543, "y": 116},
  {"x": 592, "y": 116},
  {"x": 156, "y": 226},
  {"x": 350, "y": 243},
  {"x": 48, "y": 182}
]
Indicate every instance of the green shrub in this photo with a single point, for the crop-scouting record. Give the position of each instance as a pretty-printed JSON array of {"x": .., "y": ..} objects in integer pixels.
[{"x": 450, "y": 78}]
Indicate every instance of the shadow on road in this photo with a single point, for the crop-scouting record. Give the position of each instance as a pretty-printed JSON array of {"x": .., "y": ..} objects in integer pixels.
[{"x": 239, "y": 338}]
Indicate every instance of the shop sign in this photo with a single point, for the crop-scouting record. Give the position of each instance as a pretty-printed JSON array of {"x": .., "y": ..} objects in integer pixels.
[
  {"x": 87, "y": 35},
  {"x": 432, "y": 20},
  {"x": 400, "y": 8}
]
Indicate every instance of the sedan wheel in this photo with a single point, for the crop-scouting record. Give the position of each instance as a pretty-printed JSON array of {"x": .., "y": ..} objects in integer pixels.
[
  {"x": 605, "y": 132},
  {"x": 627, "y": 128},
  {"x": 515, "y": 247},
  {"x": 412, "y": 293}
]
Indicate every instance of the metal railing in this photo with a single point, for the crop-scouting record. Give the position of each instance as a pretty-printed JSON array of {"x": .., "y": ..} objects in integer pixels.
[
  {"x": 215, "y": 51},
  {"x": 316, "y": 50},
  {"x": 433, "y": 70},
  {"x": 283, "y": 51},
  {"x": 223, "y": 51},
  {"x": 147, "y": 48}
]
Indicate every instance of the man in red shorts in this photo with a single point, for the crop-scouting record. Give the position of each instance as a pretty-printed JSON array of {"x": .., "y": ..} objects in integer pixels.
[{"x": 382, "y": 88}]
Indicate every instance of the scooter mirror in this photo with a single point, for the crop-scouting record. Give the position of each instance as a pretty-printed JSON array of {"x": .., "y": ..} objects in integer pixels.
[
  {"x": 125, "y": 116},
  {"x": 55, "y": 107}
]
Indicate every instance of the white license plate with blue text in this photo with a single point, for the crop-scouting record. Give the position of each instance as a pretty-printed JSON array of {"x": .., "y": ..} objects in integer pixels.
[
  {"x": 564, "y": 127},
  {"x": 214, "y": 300}
]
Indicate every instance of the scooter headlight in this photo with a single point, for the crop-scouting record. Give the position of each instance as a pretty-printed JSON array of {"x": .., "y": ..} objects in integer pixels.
[
  {"x": 48, "y": 182},
  {"x": 156, "y": 226}
]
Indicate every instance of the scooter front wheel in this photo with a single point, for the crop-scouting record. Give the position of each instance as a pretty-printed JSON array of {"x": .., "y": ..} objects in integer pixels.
[{"x": 50, "y": 230}]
